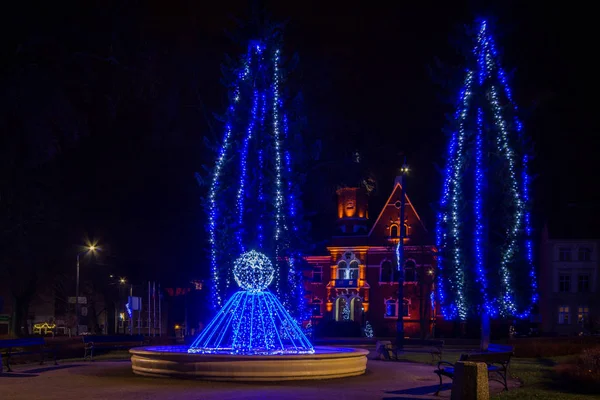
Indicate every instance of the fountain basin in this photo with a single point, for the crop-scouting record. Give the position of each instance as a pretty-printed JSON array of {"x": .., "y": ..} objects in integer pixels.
[{"x": 176, "y": 362}]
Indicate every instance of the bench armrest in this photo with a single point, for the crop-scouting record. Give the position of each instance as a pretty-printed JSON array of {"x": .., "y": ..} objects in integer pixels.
[{"x": 440, "y": 363}]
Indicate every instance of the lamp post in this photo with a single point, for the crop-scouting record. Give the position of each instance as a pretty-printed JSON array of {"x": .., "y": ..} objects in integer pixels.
[
  {"x": 91, "y": 248},
  {"x": 400, "y": 257}
]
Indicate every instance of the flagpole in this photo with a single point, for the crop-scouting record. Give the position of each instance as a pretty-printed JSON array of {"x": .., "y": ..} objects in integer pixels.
[{"x": 149, "y": 307}]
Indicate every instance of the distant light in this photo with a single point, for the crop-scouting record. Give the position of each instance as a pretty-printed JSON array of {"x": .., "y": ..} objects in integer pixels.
[
  {"x": 122, "y": 280},
  {"x": 92, "y": 248}
]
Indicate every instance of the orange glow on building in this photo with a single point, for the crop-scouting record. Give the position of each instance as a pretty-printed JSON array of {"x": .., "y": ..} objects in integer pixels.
[{"x": 360, "y": 270}]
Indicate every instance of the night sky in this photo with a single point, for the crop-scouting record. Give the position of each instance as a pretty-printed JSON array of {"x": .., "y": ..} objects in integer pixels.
[{"x": 142, "y": 82}]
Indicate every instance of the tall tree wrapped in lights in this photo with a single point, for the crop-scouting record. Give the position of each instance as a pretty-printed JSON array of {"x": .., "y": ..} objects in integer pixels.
[
  {"x": 254, "y": 198},
  {"x": 484, "y": 237}
]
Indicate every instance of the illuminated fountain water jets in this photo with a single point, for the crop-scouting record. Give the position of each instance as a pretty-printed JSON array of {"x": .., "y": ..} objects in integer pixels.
[{"x": 253, "y": 321}]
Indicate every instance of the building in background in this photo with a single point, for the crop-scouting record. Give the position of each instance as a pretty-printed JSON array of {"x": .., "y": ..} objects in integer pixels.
[
  {"x": 357, "y": 279},
  {"x": 569, "y": 278}
]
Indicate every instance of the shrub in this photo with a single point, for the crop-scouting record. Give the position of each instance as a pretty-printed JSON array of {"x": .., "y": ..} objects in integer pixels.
[
  {"x": 552, "y": 347},
  {"x": 590, "y": 361},
  {"x": 583, "y": 372}
]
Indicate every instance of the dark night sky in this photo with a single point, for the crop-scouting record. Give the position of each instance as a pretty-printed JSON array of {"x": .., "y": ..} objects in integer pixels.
[{"x": 364, "y": 69}]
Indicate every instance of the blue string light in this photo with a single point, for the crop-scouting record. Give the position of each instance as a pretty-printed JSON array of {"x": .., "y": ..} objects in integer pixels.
[
  {"x": 450, "y": 231},
  {"x": 266, "y": 207},
  {"x": 243, "y": 169},
  {"x": 278, "y": 189},
  {"x": 253, "y": 321},
  {"x": 479, "y": 219},
  {"x": 261, "y": 165}
]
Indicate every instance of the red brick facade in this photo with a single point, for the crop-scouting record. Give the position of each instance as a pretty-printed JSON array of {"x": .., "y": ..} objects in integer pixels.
[{"x": 360, "y": 269}]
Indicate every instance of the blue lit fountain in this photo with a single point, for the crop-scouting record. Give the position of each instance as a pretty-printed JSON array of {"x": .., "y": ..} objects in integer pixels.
[
  {"x": 252, "y": 338},
  {"x": 253, "y": 321}
]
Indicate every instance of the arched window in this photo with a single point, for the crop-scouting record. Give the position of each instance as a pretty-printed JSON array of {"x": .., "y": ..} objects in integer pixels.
[
  {"x": 353, "y": 271},
  {"x": 343, "y": 311},
  {"x": 356, "y": 308},
  {"x": 394, "y": 231},
  {"x": 387, "y": 272},
  {"x": 342, "y": 270},
  {"x": 410, "y": 271},
  {"x": 391, "y": 308}
]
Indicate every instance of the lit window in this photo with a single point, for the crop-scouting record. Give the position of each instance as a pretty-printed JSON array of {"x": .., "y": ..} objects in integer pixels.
[
  {"x": 391, "y": 308},
  {"x": 564, "y": 254},
  {"x": 564, "y": 283},
  {"x": 353, "y": 270},
  {"x": 563, "y": 315},
  {"x": 348, "y": 267},
  {"x": 342, "y": 270},
  {"x": 583, "y": 314},
  {"x": 584, "y": 254},
  {"x": 583, "y": 283}
]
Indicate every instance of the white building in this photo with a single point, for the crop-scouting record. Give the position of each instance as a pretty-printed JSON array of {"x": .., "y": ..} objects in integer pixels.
[{"x": 569, "y": 284}]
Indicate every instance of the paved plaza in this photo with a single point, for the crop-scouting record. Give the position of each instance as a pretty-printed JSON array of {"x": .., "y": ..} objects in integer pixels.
[{"x": 114, "y": 380}]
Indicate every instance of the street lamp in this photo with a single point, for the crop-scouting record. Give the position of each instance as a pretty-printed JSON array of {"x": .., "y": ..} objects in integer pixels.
[
  {"x": 91, "y": 248},
  {"x": 400, "y": 257}
]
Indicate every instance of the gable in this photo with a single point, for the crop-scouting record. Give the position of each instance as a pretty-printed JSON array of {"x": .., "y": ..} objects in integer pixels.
[{"x": 390, "y": 215}]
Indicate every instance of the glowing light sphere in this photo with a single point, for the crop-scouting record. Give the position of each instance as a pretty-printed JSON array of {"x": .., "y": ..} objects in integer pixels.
[{"x": 253, "y": 271}]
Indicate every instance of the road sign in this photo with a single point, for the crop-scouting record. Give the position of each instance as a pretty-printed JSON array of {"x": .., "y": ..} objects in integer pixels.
[{"x": 135, "y": 303}]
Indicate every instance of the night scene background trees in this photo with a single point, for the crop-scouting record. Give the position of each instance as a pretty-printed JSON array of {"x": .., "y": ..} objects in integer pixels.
[
  {"x": 484, "y": 234},
  {"x": 105, "y": 110},
  {"x": 253, "y": 200}
]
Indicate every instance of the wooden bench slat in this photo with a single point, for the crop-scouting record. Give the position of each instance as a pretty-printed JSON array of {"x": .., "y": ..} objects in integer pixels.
[
  {"x": 13, "y": 347},
  {"x": 388, "y": 350}
]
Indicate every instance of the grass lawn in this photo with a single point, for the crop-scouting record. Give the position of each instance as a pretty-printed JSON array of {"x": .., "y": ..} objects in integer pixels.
[{"x": 537, "y": 374}]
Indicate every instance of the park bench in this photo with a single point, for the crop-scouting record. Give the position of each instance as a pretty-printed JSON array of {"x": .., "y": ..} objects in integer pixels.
[
  {"x": 497, "y": 359},
  {"x": 34, "y": 345},
  {"x": 388, "y": 351},
  {"x": 91, "y": 343}
]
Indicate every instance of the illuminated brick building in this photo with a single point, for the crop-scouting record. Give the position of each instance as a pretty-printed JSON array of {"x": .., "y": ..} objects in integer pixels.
[{"x": 357, "y": 280}]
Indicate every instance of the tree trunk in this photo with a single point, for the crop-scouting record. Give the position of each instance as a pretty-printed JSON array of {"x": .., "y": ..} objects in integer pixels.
[
  {"x": 485, "y": 331},
  {"x": 422, "y": 309},
  {"x": 20, "y": 314}
]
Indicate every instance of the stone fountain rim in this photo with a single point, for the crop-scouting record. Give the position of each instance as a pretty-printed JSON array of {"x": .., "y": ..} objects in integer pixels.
[{"x": 321, "y": 352}]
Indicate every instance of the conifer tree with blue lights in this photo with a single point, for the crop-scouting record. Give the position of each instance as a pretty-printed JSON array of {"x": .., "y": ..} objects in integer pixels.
[
  {"x": 253, "y": 200},
  {"x": 484, "y": 234}
]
